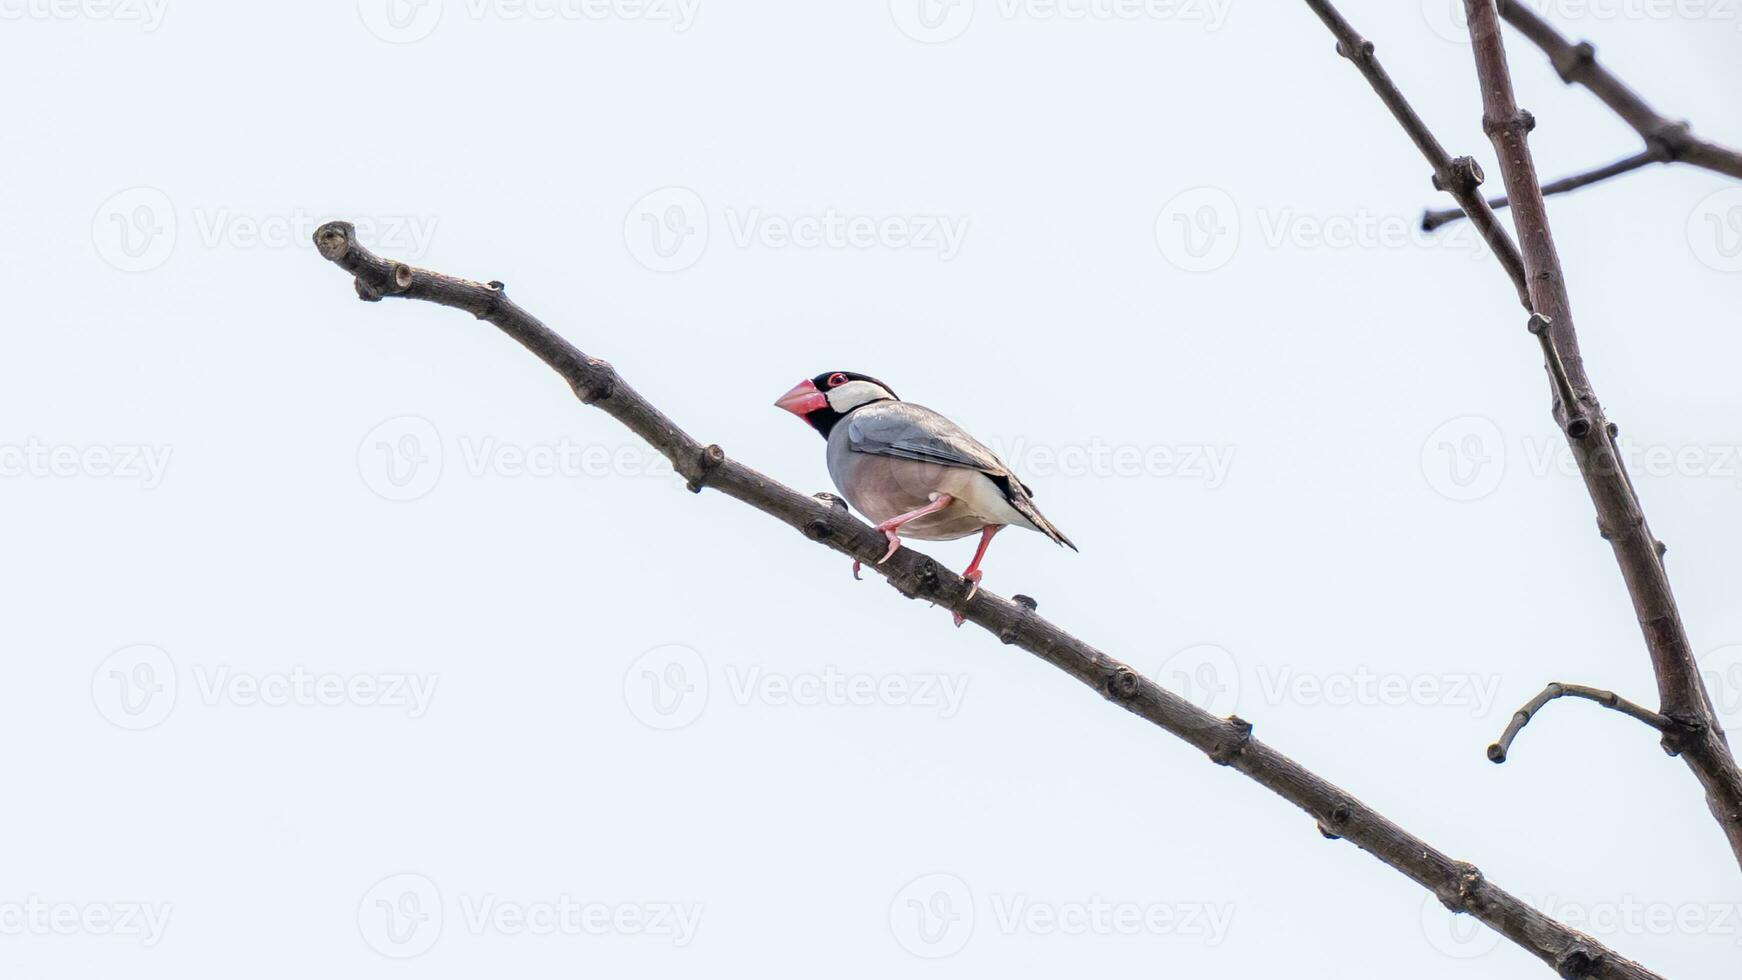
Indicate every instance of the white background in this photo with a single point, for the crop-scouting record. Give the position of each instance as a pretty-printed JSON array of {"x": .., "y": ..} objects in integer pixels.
[{"x": 1394, "y": 518}]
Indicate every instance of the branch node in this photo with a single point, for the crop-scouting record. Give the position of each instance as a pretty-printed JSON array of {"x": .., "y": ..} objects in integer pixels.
[
  {"x": 707, "y": 461},
  {"x": 1463, "y": 175},
  {"x": 1519, "y": 123},
  {"x": 498, "y": 292},
  {"x": 928, "y": 572},
  {"x": 1670, "y": 141},
  {"x": 1009, "y": 633},
  {"x": 836, "y": 504},
  {"x": 596, "y": 389},
  {"x": 1577, "y": 962},
  {"x": 817, "y": 529},
  {"x": 1681, "y": 732},
  {"x": 1362, "y": 53},
  {"x": 1225, "y": 752},
  {"x": 1122, "y": 683},
  {"x": 1573, "y": 60},
  {"x": 1467, "y": 877},
  {"x": 1337, "y": 818}
]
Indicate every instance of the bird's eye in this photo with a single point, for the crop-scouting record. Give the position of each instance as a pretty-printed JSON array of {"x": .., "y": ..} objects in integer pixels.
[{"x": 836, "y": 380}]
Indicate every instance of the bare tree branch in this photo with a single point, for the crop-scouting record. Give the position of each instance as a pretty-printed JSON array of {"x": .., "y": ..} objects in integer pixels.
[
  {"x": 1460, "y": 177},
  {"x": 1656, "y": 154},
  {"x": 1229, "y": 742},
  {"x": 1577, "y": 64},
  {"x": 1666, "y": 141},
  {"x": 1609, "y": 699},
  {"x": 1693, "y": 729}
]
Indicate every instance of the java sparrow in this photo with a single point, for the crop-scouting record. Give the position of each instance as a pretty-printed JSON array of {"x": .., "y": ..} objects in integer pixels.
[{"x": 912, "y": 470}]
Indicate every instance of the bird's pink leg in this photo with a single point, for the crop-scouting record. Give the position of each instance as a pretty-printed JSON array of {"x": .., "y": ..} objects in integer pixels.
[
  {"x": 973, "y": 573},
  {"x": 894, "y": 524}
]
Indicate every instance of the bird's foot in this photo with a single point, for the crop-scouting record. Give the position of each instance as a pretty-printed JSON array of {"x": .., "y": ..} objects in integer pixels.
[
  {"x": 894, "y": 544},
  {"x": 973, "y": 576},
  {"x": 893, "y": 525},
  {"x": 856, "y": 566}
]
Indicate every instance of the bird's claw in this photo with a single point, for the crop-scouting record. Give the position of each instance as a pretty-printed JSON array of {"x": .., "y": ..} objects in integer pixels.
[
  {"x": 894, "y": 546},
  {"x": 973, "y": 576},
  {"x": 856, "y": 577}
]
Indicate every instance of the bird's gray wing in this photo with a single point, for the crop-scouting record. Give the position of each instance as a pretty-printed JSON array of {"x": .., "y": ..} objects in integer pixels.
[{"x": 909, "y": 431}]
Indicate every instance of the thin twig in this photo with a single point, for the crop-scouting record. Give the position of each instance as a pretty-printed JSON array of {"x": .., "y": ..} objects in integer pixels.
[
  {"x": 1460, "y": 177},
  {"x": 1227, "y": 741},
  {"x": 1666, "y": 141},
  {"x": 1608, "y": 699},
  {"x": 1694, "y": 731},
  {"x": 1578, "y": 426},
  {"x": 1434, "y": 219},
  {"x": 1577, "y": 64}
]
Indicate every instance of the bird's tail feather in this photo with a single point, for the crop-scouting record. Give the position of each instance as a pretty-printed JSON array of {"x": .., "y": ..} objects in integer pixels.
[{"x": 1028, "y": 510}]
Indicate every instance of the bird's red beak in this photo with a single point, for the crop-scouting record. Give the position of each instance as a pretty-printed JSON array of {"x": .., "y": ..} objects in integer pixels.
[{"x": 803, "y": 399}]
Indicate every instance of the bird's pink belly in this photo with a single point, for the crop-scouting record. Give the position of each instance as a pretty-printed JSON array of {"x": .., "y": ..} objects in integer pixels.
[{"x": 886, "y": 488}]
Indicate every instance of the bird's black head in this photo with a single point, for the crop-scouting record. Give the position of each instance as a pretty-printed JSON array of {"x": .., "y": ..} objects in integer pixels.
[{"x": 829, "y": 397}]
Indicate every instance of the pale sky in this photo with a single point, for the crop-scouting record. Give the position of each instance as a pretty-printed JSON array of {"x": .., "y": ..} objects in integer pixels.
[{"x": 344, "y": 641}]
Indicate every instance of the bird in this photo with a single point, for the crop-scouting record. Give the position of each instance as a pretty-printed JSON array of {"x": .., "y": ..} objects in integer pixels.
[{"x": 911, "y": 470}]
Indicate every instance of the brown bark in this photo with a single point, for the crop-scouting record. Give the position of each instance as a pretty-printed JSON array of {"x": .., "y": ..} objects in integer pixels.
[{"x": 1693, "y": 731}]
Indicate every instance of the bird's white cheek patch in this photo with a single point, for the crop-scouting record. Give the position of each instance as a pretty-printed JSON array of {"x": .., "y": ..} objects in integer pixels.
[{"x": 853, "y": 394}]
